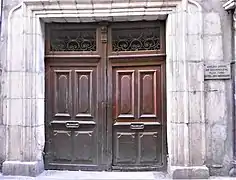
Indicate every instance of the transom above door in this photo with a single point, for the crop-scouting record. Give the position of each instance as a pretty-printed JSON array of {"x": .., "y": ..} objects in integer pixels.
[{"x": 105, "y": 96}]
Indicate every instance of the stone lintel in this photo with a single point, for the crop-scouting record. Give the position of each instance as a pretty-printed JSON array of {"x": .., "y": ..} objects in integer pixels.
[
  {"x": 189, "y": 172},
  {"x": 19, "y": 168}
]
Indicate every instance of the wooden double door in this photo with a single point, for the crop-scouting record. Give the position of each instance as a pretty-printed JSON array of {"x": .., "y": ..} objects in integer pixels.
[{"x": 105, "y": 96}]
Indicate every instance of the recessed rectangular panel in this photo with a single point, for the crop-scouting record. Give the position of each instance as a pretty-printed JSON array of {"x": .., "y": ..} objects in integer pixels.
[
  {"x": 150, "y": 147},
  {"x": 84, "y": 147},
  {"x": 62, "y": 149},
  {"x": 147, "y": 96},
  {"x": 125, "y": 148},
  {"x": 124, "y": 94},
  {"x": 62, "y": 92},
  {"x": 84, "y": 93}
]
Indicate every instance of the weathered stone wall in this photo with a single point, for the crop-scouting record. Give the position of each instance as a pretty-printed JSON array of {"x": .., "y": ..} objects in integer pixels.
[
  {"x": 215, "y": 111},
  {"x": 218, "y": 93},
  {"x": 215, "y": 114}
]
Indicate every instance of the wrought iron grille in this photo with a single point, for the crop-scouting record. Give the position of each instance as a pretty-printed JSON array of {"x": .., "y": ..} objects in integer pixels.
[
  {"x": 73, "y": 40},
  {"x": 136, "y": 39}
]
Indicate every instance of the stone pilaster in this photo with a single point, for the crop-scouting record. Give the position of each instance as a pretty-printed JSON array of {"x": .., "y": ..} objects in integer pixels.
[
  {"x": 24, "y": 92},
  {"x": 185, "y": 93}
]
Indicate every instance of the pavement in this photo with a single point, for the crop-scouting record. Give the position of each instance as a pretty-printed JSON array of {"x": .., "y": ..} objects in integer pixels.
[{"x": 85, "y": 175}]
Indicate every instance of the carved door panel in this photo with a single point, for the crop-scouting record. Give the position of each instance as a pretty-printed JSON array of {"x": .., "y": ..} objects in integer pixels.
[
  {"x": 137, "y": 90},
  {"x": 137, "y": 106},
  {"x": 73, "y": 131},
  {"x": 74, "y": 117}
]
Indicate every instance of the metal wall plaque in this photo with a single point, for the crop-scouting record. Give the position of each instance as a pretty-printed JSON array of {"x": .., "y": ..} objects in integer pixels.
[{"x": 217, "y": 71}]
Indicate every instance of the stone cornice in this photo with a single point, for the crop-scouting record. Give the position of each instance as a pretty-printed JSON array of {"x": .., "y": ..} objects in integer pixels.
[
  {"x": 80, "y": 10},
  {"x": 229, "y": 5},
  {"x": 79, "y": 5}
]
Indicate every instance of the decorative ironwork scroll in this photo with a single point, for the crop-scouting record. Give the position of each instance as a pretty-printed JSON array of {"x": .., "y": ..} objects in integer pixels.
[
  {"x": 73, "y": 40},
  {"x": 136, "y": 39}
]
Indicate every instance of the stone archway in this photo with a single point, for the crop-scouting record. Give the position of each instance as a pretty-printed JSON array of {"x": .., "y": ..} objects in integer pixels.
[{"x": 25, "y": 133}]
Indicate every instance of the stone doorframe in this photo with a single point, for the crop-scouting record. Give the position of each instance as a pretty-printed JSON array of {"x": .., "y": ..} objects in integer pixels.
[{"x": 24, "y": 78}]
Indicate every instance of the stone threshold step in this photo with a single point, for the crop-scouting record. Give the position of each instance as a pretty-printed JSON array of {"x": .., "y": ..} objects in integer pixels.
[{"x": 87, "y": 175}]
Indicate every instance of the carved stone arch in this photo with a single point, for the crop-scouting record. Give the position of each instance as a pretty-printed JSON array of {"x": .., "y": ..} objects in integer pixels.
[{"x": 29, "y": 60}]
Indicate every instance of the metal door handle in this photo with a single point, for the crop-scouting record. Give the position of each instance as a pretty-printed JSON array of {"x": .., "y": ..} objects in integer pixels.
[
  {"x": 72, "y": 125},
  {"x": 137, "y": 126}
]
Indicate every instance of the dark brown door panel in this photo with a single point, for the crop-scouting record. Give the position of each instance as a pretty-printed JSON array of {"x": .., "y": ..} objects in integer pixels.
[
  {"x": 137, "y": 115},
  {"x": 73, "y": 117}
]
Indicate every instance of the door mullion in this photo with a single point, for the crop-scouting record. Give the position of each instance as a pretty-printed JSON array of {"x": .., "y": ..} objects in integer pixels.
[
  {"x": 109, "y": 86},
  {"x": 103, "y": 96}
]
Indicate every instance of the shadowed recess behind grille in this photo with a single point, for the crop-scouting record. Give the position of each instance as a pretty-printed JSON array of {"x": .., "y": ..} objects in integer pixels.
[
  {"x": 73, "y": 40},
  {"x": 136, "y": 39}
]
